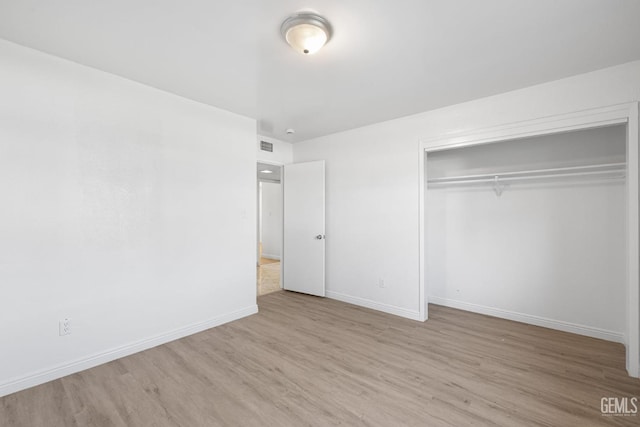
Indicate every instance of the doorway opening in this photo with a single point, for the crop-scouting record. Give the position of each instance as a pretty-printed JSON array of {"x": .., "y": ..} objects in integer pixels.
[{"x": 269, "y": 223}]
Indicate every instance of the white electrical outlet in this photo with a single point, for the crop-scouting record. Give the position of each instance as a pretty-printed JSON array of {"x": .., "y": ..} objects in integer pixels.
[
  {"x": 381, "y": 283},
  {"x": 65, "y": 326}
]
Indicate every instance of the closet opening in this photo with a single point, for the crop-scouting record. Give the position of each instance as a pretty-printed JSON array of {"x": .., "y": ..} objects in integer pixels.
[{"x": 533, "y": 229}]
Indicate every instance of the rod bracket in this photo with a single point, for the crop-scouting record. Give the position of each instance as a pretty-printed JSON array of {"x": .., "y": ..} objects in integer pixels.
[{"x": 498, "y": 187}]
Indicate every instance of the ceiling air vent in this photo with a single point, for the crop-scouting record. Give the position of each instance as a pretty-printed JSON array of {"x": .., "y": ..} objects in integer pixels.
[{"x": 266, "y": 146}]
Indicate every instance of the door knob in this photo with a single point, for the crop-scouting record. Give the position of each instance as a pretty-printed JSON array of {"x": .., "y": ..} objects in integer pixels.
[{"x": 320, "y": 237}]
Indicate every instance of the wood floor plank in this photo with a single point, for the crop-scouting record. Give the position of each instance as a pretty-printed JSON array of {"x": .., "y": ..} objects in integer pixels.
[
  {"x": 311, "y": 361},
  {"x": 46, "y": 405}
]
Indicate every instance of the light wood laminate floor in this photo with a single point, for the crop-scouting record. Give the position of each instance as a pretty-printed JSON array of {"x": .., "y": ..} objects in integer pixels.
[
  {"x": 311, "y": 361},
  {"x": 268, "y": 276}
]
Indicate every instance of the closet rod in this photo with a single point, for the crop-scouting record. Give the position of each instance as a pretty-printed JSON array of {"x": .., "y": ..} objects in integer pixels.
[
  {"x": 535, "y": 174},
  {"x": 620, "y": 175}
]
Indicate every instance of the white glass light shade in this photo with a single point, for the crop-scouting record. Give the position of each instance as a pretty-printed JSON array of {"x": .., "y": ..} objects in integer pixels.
[
  {"x": 306, "y": 32},
  {"x": 306, "y": 38}
]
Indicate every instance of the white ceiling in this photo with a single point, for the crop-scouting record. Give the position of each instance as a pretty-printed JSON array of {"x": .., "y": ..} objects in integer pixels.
[{"x": 387, "y": 59}]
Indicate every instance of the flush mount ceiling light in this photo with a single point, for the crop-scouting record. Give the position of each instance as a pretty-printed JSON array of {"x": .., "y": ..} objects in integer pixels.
[
  {"x": 306, "y": 32},
  {"x": 266, "y": 171}
]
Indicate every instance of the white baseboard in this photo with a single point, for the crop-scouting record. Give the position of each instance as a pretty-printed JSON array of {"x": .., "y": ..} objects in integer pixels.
[
  {"x": 63, "y": 370},
  {"x": 531, "y": 319},
  {"x": 269, "y": 256},
  {"x": 386, "y": 308}
]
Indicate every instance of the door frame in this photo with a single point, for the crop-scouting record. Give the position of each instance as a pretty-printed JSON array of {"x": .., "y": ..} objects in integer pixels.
[
  {"x": 281, "y": 166},
  {"x": 626, "y": 113}
]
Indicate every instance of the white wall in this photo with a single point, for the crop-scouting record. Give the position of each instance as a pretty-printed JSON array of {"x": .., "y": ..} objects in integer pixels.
[
  {"x": 373, "y": 180},
  {"x": 550, "y": 252},
  {"x": 127, "y": 209},
  {"x": 271, "y": 226},
  {"x": 282, "y": 151}
]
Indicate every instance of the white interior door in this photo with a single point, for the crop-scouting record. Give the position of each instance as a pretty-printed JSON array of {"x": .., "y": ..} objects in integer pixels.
[{"x": 304, "y": 240}]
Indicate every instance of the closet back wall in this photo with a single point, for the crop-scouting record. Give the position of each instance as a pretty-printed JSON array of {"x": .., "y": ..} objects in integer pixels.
[{"x": 550, "y": 253}]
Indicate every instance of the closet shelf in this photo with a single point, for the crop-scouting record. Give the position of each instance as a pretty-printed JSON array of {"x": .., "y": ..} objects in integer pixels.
[
  {"x": 606, "y": 170},
  {"x": 617, "y": 170}
]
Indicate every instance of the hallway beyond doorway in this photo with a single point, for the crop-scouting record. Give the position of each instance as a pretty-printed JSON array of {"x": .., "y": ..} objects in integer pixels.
[{"x": 268, "y": 276}]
